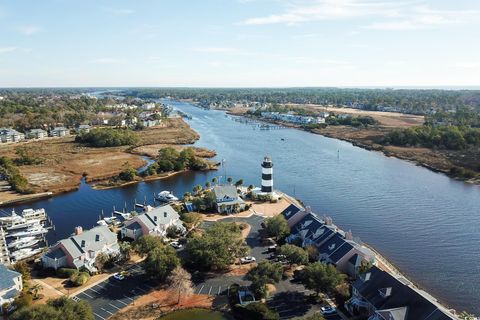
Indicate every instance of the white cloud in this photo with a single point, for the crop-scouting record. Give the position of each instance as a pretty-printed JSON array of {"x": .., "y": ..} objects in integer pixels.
[
  {"x": 119, "y": 11},
  {"x": 424, "y": 17},
  {"x": 28, "y": 30},
  {"x": 215, "y": 49},
  {"x": 467, "y": 65},
  {"x": 108, "y": 60},
  {"x": 7, "y": 49},
  {"x": 328, "y": 10}
]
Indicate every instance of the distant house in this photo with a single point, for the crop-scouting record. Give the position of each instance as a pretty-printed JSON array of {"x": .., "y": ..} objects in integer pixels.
[
  {"x": 83, "y": 128},
  {"x": 10, "y": 285},
  {"x": 153, "y": 222},
  {"x": 378, "y": 295},
  {"x": 59, "y": 132},
  {"x": 10, "y": 135},
  {"x": 228, "y": 200},
  {"x": 37, "y": 134},
  {"x": 150, "y": 122},
  {"x": 81, "y": 249},
  {"x": 293, "y": 214}
]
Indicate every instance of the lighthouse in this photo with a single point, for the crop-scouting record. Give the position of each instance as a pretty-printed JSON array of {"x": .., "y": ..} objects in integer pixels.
[{"x": 267, "y": 175}]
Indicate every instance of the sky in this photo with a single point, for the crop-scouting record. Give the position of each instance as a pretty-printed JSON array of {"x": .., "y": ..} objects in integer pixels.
[{"x": 239, "y": 43}]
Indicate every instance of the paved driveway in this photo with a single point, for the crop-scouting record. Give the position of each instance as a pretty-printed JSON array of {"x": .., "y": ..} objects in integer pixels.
[{"x": 108, "y": 297}]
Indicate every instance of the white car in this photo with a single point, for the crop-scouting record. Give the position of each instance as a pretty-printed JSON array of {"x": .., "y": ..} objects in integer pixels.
[
  {"x": 328, "y": 310},
  {"x": 176, "y": 245},
  {"x": 119, "y": 276},
  {"x": 247, "y": 259}
]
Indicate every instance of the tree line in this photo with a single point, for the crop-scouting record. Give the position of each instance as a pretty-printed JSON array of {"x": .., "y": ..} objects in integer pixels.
[{"x": 108, "y": 137}]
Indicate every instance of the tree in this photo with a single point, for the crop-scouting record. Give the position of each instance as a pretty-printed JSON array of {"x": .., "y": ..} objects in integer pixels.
[
  {"x": 239, "y": 183},
  {"x": 214, "y": 180},
  {"x": 181, "y": 282},
  {"x": 101, "y": 260},
  {"x": 229, "y": 180},
  {"x": 220, "y": 245},
  {"x": 160, "y": 262},
  {"x": 128, "y": 173},
  {"x": 207, "y": 184},
  {"x": 173, "y": 231},
  {"x": 320, "y": 276},
  {"x": 277, "y": 227},
  {"x": 192, "y": 220},
  {"x": 312, "y": 252},
  {"x": 364, "y": 266},
  {"x": 257, "y": 311},
  {"x": 464, "y": 315},
  {"x": 125, "y": 249},
  {"x": 197, "y": 189},
  {"x": 146, "y": 244},
  {"x": 293, "y": 254},
  {"x": 23, "y": 268},
  {"x": 315, "y": 316},
  {"x": 265, "y": 272},
  {"x": 36, "y": 288}
]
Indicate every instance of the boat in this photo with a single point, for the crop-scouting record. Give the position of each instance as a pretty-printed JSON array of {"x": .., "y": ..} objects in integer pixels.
[
  {"x": 34, "y": 230},
  {"x": 31, "y": 214},
  {"x": 124, "y": 215},
  {"x": 166, "y": 196},
  {"x": 109, "y": 220},
  {"x": 26, "y": 219},
  {"x": 20, "y": 224},
  {"x": 20, "y": 241},
  {"x": 28, "y": 244},
  {"x": 102, "y": 223},
  {"x": 24, "y": 253}
]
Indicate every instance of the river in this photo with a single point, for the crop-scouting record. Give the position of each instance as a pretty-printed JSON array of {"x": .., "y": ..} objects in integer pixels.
[{"x": 425, "y": 223}]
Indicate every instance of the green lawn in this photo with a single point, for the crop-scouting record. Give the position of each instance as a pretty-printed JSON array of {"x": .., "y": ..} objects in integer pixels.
[{"x": 197, "y": 314}]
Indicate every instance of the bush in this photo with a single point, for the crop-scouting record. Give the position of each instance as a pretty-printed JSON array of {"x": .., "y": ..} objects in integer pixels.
[
  {"x": 79, "y": 279},
  {"x": 108, "y": 137},
  {"x": 255, "y": 311},
  {"x": 66, "y": 272},
  {"x": 18, "y": 182}
]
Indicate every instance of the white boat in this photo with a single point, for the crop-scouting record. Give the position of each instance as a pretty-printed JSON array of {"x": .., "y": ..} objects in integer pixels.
[
  {"x": 28, "y": 218},
  {"x": 20, "y": 224},
  {"x": 31, "y": 214},
  {"x": 20, "y": 241},
  {"x": 30, "y": 231},
  {"x": 109, "y": 220},
  {"x": 124, "y": 215},
  {"x": 28, "y": 244},
  {"x": 166, "y": 196},
  {"x": 102, "y": 223},
  {"x": 24, "y": 253}
]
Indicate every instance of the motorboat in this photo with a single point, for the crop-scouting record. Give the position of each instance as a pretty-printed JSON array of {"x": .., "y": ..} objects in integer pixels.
[
  {"x": 24, "y": 253},
  {"x": 109, "y": 220},
  {"x": 31, "y": 214},
  {"x": 28, "y": 244},
  {"x": 166, "y": 196},
  {"x": 34, "y": 230},
  {"x": 26, "y": 219},
  {"x": 22, "y": 223},
  {"x": 102, "y": 223},
  {"x": 20, "y": 241}
]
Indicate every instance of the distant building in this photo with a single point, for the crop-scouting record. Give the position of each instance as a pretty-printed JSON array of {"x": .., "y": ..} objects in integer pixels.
[
  {"x": 83, "y": 128},
  {"x": 37, "y": 134},
  {"x": 148, "y": 106},
  {"x": 228, "y": 200},
  {"x": 154, "y": 222},
  {"x": 10, "y": 285},
  {"x": 81, "y": 249},
  {"x": 10, "y": 135},
  {"x": 59, "y": 132},
  {"x": 266, "y": 191}
]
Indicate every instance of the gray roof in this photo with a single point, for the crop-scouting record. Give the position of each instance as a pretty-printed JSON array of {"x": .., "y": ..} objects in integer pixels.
[
  {"x": 6, "y": 277},
  {"x": 8, "y": 131},
  {"x": 92, "y": 240},
  {"x": 133, "y": 226},
  {"x": 158, "y": 216},
  {"x": 225, "y": 192},
  {"x": 55, "y": 254}
]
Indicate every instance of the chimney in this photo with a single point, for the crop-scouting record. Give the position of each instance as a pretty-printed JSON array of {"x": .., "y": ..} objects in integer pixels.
[
  {"x": 349, "y": 235},
  {"x": 78, "y": 230}
]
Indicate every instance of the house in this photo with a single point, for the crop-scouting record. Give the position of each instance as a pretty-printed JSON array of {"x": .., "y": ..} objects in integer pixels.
[
  {"x": 10, "y": 285},
  {"x": 10, "y": 135},
  {"x": 81, "y": 249},
  {"x": 380, "y": 295},
  {"x": 59, "y": 132},
  {"x": 37, "y": 134},
  {"x": 153, "y": 222},
  {"x": 293, "y": 214},
  {"x": 228, "y": 200},
  {"x": 83, "y": 128}
]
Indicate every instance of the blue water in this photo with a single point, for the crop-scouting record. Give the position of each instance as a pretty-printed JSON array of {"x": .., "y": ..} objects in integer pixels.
[{"x": 424, "y": 222}]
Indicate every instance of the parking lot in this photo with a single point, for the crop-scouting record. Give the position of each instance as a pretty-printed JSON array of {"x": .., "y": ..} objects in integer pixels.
[{"x": 108, "y": 297}]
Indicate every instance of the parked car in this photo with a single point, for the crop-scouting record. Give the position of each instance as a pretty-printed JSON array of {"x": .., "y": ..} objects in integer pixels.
[
  {"x": 272, "y": 248},
  {"x": 176, "y": 245},
  {"x": 248, "y": 259},
  {"x": 328, "y": 310},
  {"x": 119, "y": 276}
]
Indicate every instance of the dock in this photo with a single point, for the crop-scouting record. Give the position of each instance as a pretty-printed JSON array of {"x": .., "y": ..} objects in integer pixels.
[{"x": 4, "y": 253}]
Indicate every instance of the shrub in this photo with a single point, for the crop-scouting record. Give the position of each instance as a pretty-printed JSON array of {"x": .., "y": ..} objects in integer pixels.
[
  {"x": 66, "y": 272},
  {"x": 79, "y": 279},
  {"x": 108, "y": 137},
  {"x": 256, "y": 311}
]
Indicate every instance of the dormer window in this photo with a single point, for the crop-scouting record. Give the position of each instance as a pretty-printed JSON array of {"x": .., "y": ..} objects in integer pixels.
[
  {"x": 155, "y": 218},
  {"x": 366, "y": 276},
  {"x": 97, "y": 237},
  {"x": 164, "y": 214},
  {"x": 83, "y": 244},
  {"x": 385, "y": 292}
]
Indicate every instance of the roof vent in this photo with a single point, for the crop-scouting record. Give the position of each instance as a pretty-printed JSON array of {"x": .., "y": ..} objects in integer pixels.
[
  {"x": 83, "y": 244},
  {"x": 155, "y": 218},
  {"x": 385, "y": 292},
  {"x": 164, "y": 214},
  {"x": 97, "y": 237}
]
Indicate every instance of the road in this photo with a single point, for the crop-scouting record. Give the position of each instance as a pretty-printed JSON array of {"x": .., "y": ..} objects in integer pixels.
[{"x": 108, "y": 297}]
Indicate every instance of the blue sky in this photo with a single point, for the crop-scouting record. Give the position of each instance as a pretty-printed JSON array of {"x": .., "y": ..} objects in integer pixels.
[{"x": 245, "y": 43}]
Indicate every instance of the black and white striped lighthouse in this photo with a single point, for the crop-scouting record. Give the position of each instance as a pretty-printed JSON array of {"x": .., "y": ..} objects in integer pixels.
[{"x": 267, "y": 175}]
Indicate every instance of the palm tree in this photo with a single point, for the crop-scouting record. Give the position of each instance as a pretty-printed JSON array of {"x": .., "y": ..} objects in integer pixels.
[
  {"x": 181, "y": 281},
  {"x": 214, "y": 180},
  {"x": 229, "y": 180},
  {"x": 208, "y": 184},
  {"x": 37, "y": 287}
]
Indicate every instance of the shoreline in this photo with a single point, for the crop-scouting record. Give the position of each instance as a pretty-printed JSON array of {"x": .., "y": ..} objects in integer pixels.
[{"x": 373, "y": 147}]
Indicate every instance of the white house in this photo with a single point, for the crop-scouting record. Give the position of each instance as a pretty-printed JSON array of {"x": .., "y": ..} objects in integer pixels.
[
  {"x": 228, "y": 200},
  {"x": 153, "y": 222},
  {"x": 81, "y": 249},
  {"x": 59, "y": 132},
  {"x": 10, "y": 285},
  {"x": 83, "y": 128},
  {"x": 37, "y": 134},
  {"x": 10, "y": 135}
]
